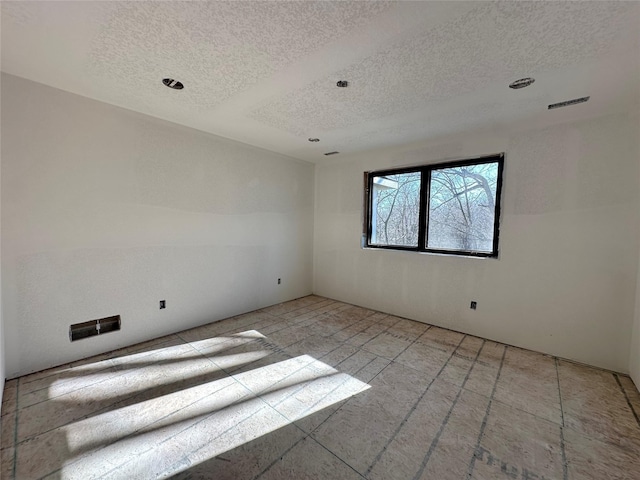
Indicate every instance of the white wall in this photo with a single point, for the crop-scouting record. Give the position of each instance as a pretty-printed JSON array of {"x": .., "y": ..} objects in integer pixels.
[
  {"x": 634, "y": 355},
  {"x": 106, "y": 211},
  {"x": 2, "y": 350},
  {"x": 565, "y": 281}
]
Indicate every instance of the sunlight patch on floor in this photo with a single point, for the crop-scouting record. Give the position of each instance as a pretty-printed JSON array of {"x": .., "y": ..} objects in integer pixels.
[{"x": 205, "y": 420}]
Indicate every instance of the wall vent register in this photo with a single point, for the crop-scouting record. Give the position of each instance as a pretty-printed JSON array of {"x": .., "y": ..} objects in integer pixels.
[{"x": 78, "y": 331}]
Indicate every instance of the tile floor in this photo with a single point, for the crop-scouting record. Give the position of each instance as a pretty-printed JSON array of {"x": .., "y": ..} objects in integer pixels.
[{"x": 315, "y": 388}]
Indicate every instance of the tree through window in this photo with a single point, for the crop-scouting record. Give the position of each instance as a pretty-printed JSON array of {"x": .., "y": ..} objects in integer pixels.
[{"x": 446, "y": 208}]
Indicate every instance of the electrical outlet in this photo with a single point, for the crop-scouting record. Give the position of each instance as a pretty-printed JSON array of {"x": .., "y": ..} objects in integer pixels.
[
  {"x": 163, "y": 304},
  {"x": 473, "y": 305},
  {"x": 279, "y": 282}
]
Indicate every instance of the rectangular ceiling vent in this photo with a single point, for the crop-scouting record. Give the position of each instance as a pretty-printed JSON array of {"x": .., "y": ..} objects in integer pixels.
[
  {"x": 575, "y": 101},
  {"x": 92, "y": 328}
]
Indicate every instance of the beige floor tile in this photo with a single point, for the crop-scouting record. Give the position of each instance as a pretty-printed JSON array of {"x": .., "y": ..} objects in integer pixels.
[
  {"x": 311, "y": 422},
  {"x": 67, "y": 408},
  {"x": 354, "y": 328},
  {"x": 470, "y": 347},
  {"x": 316, "y": 395},
  {"x": 8, "y": 424},
  {"x": 595, "y": 406},
  {"x": 342, "y": 354},
  {"x": 308, "y": 460},
  {"x": 299, "y": 314},
  {"x": 38, "y": 380},
  {"x": 371, "y": 370},
  {"x": 632, "y": 393},
  {"x": 252, "y": 456},
  {"x": 6, "y": 462},
  {"x": 132, "y": 429},
  {"x": 520, "y": 441},
  {"x": 457, "y": 443},
  {"x": 491, "y": 354},
  {"x": 329, "y": 306},
  {"x": 407, "y": 328},
  {"x": 289, "y": 336},
  {"x": 356, "y": 313},
  {"x": 315, "y": 346},
  {"x": 278, "y": 376},
  {"x": 367, "y": 335},
  {"x": 403, "y": 456},
  {"x": 529, "y": 381},
  {"x": 386, "y": 345},
  {"x": 441, "y": 339},
  {"x": 149, "y": 346},
  {"x": 425, "y": 359},
  {"x": 360, "y": 429},
  {"x": 9, "y": 396},
  {"x": 63, "y": 383},
  {"x": 591, "y": 459},
  {"x": 70, "y": 374},
  {"x": 538, "y": 399},
  {"x": 458, "y": 368},
  {"x": 482, "y": 379},
  {"x": 281, "y": 308},
  {"x": 212, "y": 436},
  {"x": 265, "y": 362}
]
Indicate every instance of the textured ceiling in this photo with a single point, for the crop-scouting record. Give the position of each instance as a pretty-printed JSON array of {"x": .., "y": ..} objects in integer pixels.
[{"x": 265, "y": 72}]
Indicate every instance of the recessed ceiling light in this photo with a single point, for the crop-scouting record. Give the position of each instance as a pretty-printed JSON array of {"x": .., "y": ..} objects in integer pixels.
[
  {"x": 342, "y": 84},
  {"x": 171, "y": 83},
  {"x": 523, "y": 82},
  {"x": 575, "y": 101},
  {"x": 331, "y": 153},
  {"x": 314, "y": 139}
]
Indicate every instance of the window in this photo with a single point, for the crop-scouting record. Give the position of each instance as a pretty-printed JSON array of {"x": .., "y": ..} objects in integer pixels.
[{"x": 445, "y": 208}]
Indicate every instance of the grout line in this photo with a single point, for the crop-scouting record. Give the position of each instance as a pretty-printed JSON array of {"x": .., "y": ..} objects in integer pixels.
[
  {"x": 70, "y": 365},
  {"x": 333, "y": 367},
  {"x": 472, "y": 462},
  {"x": 413, "y": 408},
  {"x": 386, "y": 331},
  {"x": 279, "y": 458},
  {"x": 305, "y": 414},
  {"x": 108, "y": 407},
  {"x": 99, "y": 410},
  {"x": 565, "y": 466},
  {"x": 337, "y": 457},
  {"x": 137, "y": 432},
  {"x": 308, "y": 435},
  {"x": 280, "y": 350},
  {"x": 260, "y": 395},
  {"x": 297, "y": 389},
  {"x": 624, "y": 392},
  {"x": 355, "y": 334},
  {"x": 436, "y": 439},
  {"x": 359, "y": 347},
  {"x": 15, "y": 432},
  {"x": 204, "y": 418},
  {"x": 411, "y": 343},
  {"x": 349, "y": 399},
  {"x": 115, "y": 371}
]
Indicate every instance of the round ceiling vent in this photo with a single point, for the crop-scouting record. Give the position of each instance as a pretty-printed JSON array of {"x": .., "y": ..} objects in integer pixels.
[
  {"x": 171, "y": 83},
  {"x": 523, "y": 82}
]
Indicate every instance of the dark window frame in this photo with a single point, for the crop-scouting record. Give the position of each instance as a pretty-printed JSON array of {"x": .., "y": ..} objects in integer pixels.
[{"x": 425, "y": 188}]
